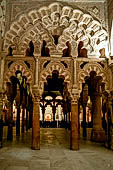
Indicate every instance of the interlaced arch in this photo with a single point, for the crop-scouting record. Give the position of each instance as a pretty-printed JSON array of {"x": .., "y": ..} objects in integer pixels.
[{"x": 69, "y": 24}]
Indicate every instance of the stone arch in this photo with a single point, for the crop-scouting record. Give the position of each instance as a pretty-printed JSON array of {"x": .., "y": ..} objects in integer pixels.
[
  {"x": 68, "y": 23},
  {"x": 48, "y": 72},
  {"x": 21, "y": 67},
  {"x": 99, "y": 71}
]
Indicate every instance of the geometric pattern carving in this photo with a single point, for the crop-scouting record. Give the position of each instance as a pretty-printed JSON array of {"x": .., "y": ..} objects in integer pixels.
[
  {"x": 62, "y": 72},
  {"x": 69, "y": 24},
  {"x": 21, "y": 67},
  {"x": 2, "y": 17}
]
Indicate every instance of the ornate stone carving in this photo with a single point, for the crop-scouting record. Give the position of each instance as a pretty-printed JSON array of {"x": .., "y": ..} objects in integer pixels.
[
  {"x": 2, "y": 17},
  {"x": 73, "y": 25}
]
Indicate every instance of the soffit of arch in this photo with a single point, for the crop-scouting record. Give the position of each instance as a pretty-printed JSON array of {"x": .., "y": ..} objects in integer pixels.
[
  {"x": 69, "y": 24},
  {"x": 88, "y": 68},
  {"x": 19, "y": 65}
]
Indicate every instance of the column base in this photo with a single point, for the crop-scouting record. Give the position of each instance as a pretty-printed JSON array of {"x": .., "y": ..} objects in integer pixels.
[
  {"x": 74, "y": 143},
  {"x": 98, "y": 136},
  {"x": 74, "y": 146},
  {"x": 35, "y": 146}
]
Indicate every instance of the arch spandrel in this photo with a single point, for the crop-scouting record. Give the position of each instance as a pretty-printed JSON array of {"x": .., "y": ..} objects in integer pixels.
[{"x": 57, "y": 17}]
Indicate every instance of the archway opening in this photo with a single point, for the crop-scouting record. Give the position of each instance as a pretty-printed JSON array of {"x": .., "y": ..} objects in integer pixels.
[
  {"x": 55, "y": 103},
  {"x": 18, "y": 106}
]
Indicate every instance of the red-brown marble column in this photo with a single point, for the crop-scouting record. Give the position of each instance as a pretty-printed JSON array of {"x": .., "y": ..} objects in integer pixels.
[
  {"x": 98, "y": 134},
  {"x": 74, "y": 142},
  {"x": 36, "y": 123},
  {"x": 10, "y": 120},
  {"x": 9, "y": 111}
]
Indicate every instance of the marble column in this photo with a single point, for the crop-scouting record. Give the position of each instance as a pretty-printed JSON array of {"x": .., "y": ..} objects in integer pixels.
[
  {"x": 17, "y": 99},
  {"x": 30, "y": 118},
  {"x": 43, "y": 113},
  {"x": 84, "y": 121},
  {"x": 74, "y": 142},
  {"x": 36, "y": 123},
  {"x": 36, "y": 71},
  {"x": 18, "y": 121},
  {"x": 98, "y": 134},
  {"x": 23, "y": 115},
  {"x": 27, "y": 119},
  {"x": 1, "y": 118},
  {"x": 54, "y": 111},
  {"x": 10, "y": 120}
]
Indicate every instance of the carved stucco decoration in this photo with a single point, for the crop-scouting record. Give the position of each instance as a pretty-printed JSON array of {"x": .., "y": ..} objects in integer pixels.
[
  {"x": 69, "y": 24},
  {"x": 93, "y": 66},
  {"x": 18, "y": 65},
  {"x": 48, "y": 72},
  {"x": 2, "y": 17}
]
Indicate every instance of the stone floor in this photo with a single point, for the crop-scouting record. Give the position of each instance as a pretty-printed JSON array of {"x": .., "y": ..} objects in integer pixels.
[{"x": 54, "y": 153}]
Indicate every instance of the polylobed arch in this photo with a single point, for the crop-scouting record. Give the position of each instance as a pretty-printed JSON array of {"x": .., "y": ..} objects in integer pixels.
[
  {"x": 68, "y": 23},
  {"x": 20, "y": 67},
  {"x": 51, "y": 67},
  {"x": 93, "y": 67}
]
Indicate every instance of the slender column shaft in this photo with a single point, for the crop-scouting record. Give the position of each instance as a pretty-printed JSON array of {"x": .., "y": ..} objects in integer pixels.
[
  {"x": 10, "y": 121},
  {"x": 74, "y": 142},
  {"x": 26, "y": 119},
  {"x": 36, "y": 125},
  {"x": 36, "y": 72},
  {"x": 98, "y": 133},
  {"x": 23, "y": 114},
  {"x": 18, "y": 122},
  {"x": 84, "y": 121}
]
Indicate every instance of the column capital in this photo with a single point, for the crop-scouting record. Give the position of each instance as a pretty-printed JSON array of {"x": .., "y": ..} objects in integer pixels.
[
  {"x": 75, "y": 95},
  {"x": 36, "y": 94}
]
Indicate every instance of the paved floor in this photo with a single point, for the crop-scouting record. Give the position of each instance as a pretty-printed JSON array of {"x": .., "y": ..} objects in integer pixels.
[{"x": 54, "y": 154}]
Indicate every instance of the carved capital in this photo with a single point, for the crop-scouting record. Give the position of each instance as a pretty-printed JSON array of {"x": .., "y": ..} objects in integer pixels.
[
  {"x": 36, "y": 94},
  {"x": 74, "y": 95}
]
